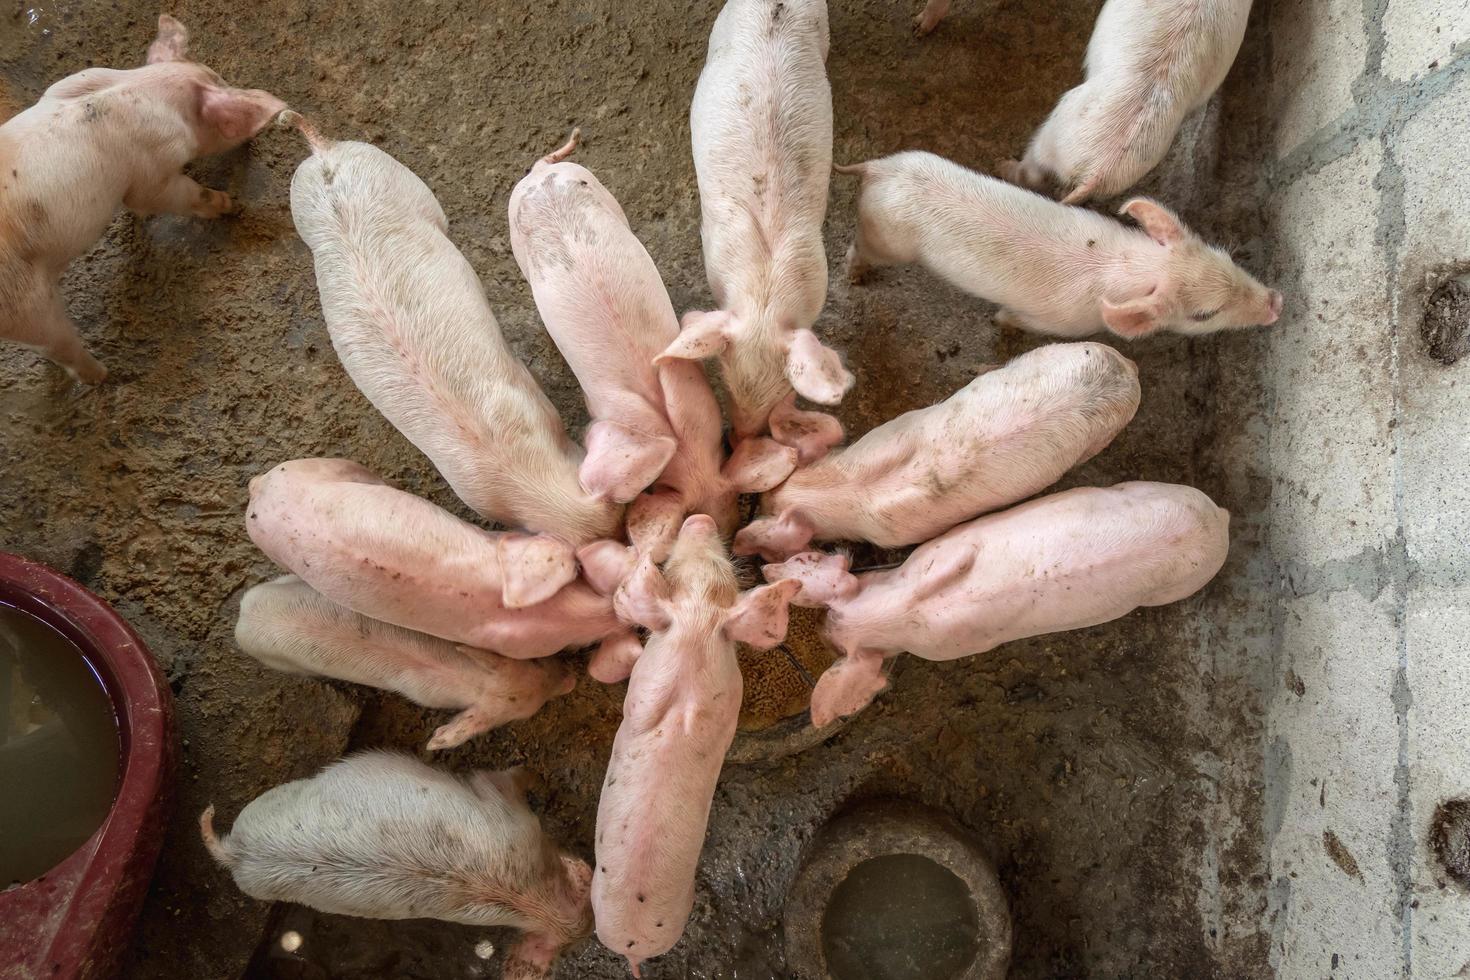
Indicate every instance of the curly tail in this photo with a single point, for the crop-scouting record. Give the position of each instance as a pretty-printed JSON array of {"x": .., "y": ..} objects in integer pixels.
[
  {"x": 857, "y": 169},
  {"x": 566, "y": 149},
  {"x": 217, "y": 850},
  {"x": 318, "y": 142}
]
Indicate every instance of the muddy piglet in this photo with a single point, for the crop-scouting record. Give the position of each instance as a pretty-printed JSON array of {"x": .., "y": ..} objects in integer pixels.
[
  {"x": 383, "y": 836},
  {"x": 1058, "y": 270},
  {"x": 399, "y": 559},
  {"x": 288, "y": 625},
  {"x": 761, "y": 125},
  {"x": 1069, "y": 560},
  {"x": 1149, "y": 65},
  {"x": 678, "y": 721},
  {"x": 411, "y": 324},
  {"x": 1008, "y": 434},
  {"x": 97, "y": 139},
  {"x": 604, "y": 304}
]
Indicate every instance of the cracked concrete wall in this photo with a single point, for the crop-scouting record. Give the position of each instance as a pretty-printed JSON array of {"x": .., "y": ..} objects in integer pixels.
[{"x": 1367, "y": 721}]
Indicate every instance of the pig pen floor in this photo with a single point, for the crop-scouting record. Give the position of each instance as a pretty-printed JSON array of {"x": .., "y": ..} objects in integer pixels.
[{"x": 1112, "y": 773}]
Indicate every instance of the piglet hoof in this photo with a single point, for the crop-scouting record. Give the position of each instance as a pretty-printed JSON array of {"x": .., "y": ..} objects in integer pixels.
[
  {"x": 934, "y": 11},
  {"x": 215, "y": 204}
]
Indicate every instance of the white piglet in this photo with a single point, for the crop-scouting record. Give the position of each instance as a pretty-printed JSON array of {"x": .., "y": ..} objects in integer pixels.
[
  {"x": 1150, "y": 64},
  {"x": 604, "y": 304},
  {"x": 1011, "y": 432},
  {"x": 383, "y": 836},
  {"x": 399, "y": 559},
  {"x": 1061, "y": 562},
  {"x": 409, "y": 320},
  {"x": 761, "y": 125},
  {"x": 98, "y": 139},
  {"x": 1058, "y": 270},
  {"x": 679, "y": 718},
  {"x": 288, "y": 625}
]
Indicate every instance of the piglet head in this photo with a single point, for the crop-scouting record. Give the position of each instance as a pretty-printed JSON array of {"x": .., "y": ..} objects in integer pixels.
[
  {"x": 762, "y": 362},
  {"x": 1197, "y": 288},
  {"x": 224, "y": 117},
  {"x": 696, "y": 594}
]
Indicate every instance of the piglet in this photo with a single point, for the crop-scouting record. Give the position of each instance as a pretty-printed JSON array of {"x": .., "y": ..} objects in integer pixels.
[
  {"x": 97, "y": 139},
  {"x": 604, "y": 304},
  {"x": 1055, "y": 269},
  {"x": 411, "y": 324},
  {"x": 1149, "y": 65},
  {"x": 288, "y": 625},
  {"x": 761, "y": 125},
  {"x": 1008, "y": 434},
  {"x": 397, "y": 558},
  {"x": 383, "y": 836},
  {"x": 1073, "y": 559},
  {"x": 678, "y": 721}
]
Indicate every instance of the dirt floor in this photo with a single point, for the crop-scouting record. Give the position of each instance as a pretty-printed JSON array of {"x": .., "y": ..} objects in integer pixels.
[{"x": 1096, "y": 767}]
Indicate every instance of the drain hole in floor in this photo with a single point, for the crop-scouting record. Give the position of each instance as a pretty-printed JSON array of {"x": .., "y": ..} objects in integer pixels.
[{"x": 900, "y": 917}]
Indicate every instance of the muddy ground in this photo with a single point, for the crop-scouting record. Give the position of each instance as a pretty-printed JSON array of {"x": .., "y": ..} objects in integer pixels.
[{"x": 1101, "y": 770}]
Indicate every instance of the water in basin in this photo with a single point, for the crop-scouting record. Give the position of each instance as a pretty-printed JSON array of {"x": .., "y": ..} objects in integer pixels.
[{"x": 58, "y": 748}]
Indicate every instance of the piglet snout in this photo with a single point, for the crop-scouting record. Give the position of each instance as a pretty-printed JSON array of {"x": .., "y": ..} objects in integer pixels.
[{"x": 1274, "y": 301}]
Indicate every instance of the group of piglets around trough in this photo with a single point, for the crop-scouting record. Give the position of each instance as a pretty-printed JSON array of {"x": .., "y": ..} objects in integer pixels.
[{"x": 621, "y": 542}]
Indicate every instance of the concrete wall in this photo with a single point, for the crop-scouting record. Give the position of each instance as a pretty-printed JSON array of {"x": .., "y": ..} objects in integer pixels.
[{"x": 1368, "y": 453}]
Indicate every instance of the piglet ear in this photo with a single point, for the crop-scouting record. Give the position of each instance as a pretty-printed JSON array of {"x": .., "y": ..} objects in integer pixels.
[
  {"x": 816, "y": 371},
  {"x": 1161, "y": 224},
  {"x": 172, "y": 42},
  {"x": 643, "y": 596},
  {"x": 237, "y": 114},
  {"x": 811, "y": 434},
  {"x": 701, "y": 335},
  {"x": 759, "y": 464},
  {"x": 653, "y": 521},
  {"x": 759, "y": 617},
  {"x": 824, "y": 578},
  {"x": 533, "y": 568},
  {"x": 1135, "y": 318},
  {"x": 622, "y": 461},
  {"x": 775, "y": 538}
]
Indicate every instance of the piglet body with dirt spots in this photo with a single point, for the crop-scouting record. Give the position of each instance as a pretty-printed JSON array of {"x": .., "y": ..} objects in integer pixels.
[
  {"x": 288, "y": 625},
  {"x": 410, "y": 322},
  {"x": 98, "y": 139},
  {"x": 397, "y": 558},
  {"x": 604, "y": 304},
  {"x": 1150, "y": 64},
  {"x": 1069, "y": 560},
  {"x": 761, "y": 125},
  {"x": 383, "y": 836},
  {"x": 1058, "y": 270},
  {"x": 679, "y": 718},
  {"x": 1010, "y": 433}
]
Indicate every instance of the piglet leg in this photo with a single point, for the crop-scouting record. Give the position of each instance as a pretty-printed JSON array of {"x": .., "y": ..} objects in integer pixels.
[
  {"x": 934, "y": 12},
  {"x": 847, "y": 687},
  {"x": 179, "y": 194},
  {"x": 532, "y": 958},
  {"x": 462, "y": 727},
  {"x": 55, "y": 336},
  {"x": 614, "y": 658}
]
